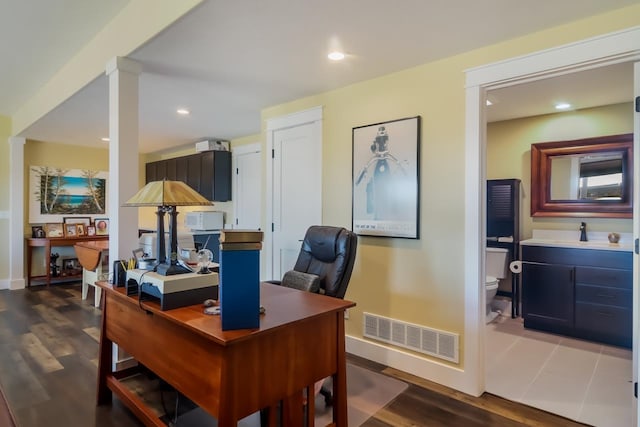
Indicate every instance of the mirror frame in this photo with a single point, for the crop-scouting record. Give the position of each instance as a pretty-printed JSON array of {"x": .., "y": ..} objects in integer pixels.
[{"x": 541, "y": 203}]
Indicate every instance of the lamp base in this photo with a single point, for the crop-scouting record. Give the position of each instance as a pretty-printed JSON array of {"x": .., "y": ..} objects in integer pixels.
[{"x": 171, "y": 269}]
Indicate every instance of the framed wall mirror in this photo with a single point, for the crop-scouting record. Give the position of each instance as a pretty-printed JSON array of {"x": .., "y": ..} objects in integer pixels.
[{"x": 590, "y": 177}]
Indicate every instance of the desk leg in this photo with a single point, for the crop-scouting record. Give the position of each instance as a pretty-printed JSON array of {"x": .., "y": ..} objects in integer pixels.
[
  {"x": 47, "y": 261},
  {"x": 340, "y": 378},
  {"x": 103, "y": 394},
  {"x": 29, "y": 257},
  {"x": 293, "y": 410}
]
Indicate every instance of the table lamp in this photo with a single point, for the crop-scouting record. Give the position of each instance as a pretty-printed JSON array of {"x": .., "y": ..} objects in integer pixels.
[{"x": 166, "y": 195}]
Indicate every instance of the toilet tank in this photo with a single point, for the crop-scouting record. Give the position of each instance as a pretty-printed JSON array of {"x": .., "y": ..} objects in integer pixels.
[{"x": 497, "y": 260}]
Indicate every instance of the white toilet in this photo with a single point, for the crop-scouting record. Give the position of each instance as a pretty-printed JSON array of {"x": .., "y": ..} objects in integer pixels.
[{"x": 495, "y": 269}]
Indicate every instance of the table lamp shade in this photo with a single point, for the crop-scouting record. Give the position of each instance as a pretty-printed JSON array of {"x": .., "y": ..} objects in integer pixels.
[{"x": 167, "y": 193}]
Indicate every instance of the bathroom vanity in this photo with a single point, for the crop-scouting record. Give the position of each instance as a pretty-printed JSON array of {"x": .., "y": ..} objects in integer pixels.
[{"x": 579, "y": 289}]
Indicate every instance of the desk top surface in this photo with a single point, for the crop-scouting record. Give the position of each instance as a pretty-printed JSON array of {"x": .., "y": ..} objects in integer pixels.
[
  {"x": 282, "y": 306},
  {"x": 65, "y": 241},
  {"x": 96, "y": 245}
]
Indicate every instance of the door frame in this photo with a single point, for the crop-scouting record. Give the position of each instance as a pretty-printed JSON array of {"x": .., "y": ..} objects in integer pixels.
[
  {"x": 299, "y": 118},
  {"x": 608, "y": 49}
]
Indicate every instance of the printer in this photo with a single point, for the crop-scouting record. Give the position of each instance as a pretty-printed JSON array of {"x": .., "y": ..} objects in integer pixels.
[{"x": 175, "y": 291}]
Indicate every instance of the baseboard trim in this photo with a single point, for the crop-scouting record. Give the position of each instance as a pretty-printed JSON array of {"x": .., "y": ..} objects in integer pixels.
[
  {"x": 17, "y": 284},
  {"x": 12, "y": 284},
  {"x": 431, "y": 370}
]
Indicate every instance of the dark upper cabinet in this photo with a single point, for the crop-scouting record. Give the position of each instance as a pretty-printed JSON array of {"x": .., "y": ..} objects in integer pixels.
[{"x": 209, "y": 173}]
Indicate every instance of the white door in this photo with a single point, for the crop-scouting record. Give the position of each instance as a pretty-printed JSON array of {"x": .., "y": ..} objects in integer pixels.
[
  {"x": 296, "y": 191},
  {"x": 247, "y": 187}
]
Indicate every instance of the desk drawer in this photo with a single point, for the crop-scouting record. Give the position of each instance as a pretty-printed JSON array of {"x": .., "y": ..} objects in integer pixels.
[{"x": 604, "y": 295}]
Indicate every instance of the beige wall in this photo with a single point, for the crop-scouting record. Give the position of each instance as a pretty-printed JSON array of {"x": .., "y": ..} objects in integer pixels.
[
  {"x": 419, "y": 281},
  {"x": 5, "y": 133},
  {"x": 509, "y": 156}
]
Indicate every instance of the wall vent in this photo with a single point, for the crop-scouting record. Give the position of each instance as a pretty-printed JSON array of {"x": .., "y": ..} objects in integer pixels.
[{"x": 434, "y": 342}]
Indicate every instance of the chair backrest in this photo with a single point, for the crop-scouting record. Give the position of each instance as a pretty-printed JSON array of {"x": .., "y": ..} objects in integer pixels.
[{"x": 328, "y": 252}]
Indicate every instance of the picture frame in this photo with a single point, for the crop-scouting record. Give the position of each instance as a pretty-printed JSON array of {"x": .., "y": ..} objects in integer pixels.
[
  {"x": 81, "y": 230},
  {"x": 56, "y": 193},
  {"x": 85, "y": 220},
  {"x": 102, "y": 226},
  {"x": 386, "y": 179},
  {"x": 91, "y": 230},
  {"x": 54, "y": 229},
  {"x": 70, "y": 230},
  {"x": 37, "y": 232}
]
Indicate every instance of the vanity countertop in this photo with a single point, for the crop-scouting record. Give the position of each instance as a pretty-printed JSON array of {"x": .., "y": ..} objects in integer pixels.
[
  {"x": 570, "y": 239},
  {"x": 576, "y": 244}
]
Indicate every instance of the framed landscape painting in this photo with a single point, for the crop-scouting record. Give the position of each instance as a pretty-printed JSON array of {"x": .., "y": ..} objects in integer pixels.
[{"x": 57, "y": 195}]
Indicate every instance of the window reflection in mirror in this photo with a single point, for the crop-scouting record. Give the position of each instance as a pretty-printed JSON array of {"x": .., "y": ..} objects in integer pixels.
[
  {"x": 591, "y": 177},
  {"x": 587, "y": 177}
]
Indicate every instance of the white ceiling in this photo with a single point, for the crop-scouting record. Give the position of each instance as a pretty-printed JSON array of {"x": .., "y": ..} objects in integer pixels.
[{"x": 226, "y": 60}]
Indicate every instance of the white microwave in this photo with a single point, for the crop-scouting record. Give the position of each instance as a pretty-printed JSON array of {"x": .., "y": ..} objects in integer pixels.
[{"x": 204, "y": 220}]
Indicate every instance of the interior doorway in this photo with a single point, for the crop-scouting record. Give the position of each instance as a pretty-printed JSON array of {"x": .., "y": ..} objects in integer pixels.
[
  {"x": 294, "y": 185},
  {"x": 247, "y": 188},
  {"x": 606, "y": 50}
]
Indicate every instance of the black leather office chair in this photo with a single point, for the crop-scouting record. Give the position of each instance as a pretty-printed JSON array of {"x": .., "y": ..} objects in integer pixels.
[
  {"x": 325, "y": 261},
  {"x": 324, "y": 265}
]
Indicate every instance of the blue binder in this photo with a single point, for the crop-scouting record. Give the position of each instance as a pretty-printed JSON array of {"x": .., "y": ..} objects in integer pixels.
[{"x": 239, "y": 289}]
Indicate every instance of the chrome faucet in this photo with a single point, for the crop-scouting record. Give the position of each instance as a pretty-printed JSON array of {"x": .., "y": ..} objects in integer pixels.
[{"x": 583, "y": 231}]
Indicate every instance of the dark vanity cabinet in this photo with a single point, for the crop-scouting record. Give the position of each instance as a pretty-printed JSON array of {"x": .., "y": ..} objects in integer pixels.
[
  {"x": 585, "y": 293},
  {"x": 209, "y": 173},
  {"x": 547, "y": 297}
]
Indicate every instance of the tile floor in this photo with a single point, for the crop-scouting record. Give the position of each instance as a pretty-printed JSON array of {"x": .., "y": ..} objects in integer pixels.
[{"x": 584, "y": 381}]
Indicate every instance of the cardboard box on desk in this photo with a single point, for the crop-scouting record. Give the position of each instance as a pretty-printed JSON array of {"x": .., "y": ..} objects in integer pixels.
[{"x": 240, "y": 279}]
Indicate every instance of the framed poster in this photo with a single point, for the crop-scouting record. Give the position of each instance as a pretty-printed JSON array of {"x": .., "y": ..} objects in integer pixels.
[{"x": 386, "y": 179}]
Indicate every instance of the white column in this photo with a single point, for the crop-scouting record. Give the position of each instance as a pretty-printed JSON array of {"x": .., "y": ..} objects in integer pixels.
[
  {"x": 123, "y": 168},
  {"x": 16, "y": 213},
  {"x": 123, "y": 156}
]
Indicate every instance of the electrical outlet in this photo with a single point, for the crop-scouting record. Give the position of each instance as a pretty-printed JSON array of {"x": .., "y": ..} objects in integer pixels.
[{"x": 346, "y": 314}]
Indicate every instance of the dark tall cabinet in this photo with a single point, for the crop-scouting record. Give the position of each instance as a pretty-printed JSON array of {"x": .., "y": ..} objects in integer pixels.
[
  {"x": 209, "y": 173},
  {"x": 503, "y": 227}
]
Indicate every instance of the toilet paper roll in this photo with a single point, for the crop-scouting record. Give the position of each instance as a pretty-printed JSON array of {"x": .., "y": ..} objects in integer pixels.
[{"x": 515, "y": 266}]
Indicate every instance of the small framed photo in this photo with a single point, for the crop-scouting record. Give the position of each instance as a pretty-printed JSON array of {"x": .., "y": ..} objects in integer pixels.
[
  {"x": 81, "y": 230},
  {"x": 85, "y": 220},
  {"x": 102, "y": 226},
  {"x": 70, "y": 230},
  {"x": 37, "y": 231},
  {"x": 91, "y": 230},
  {"x": 54, "y": 229}
]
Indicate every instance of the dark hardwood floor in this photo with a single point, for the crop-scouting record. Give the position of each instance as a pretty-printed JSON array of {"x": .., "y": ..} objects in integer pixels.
[{"x": 48, "y": 364}]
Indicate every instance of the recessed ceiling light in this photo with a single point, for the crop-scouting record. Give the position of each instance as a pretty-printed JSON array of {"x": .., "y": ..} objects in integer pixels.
[
  {"x": 336, "y": 56},
  {"x": 105, "y": 139},
  {"x": 183, "y": 111},
  {"x": 563, "y": 106}
]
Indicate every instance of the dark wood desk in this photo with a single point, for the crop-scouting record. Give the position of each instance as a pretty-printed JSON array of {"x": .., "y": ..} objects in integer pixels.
[
  {"x": 47, "y": 243},
  {"x": 230, "y": 374}
]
